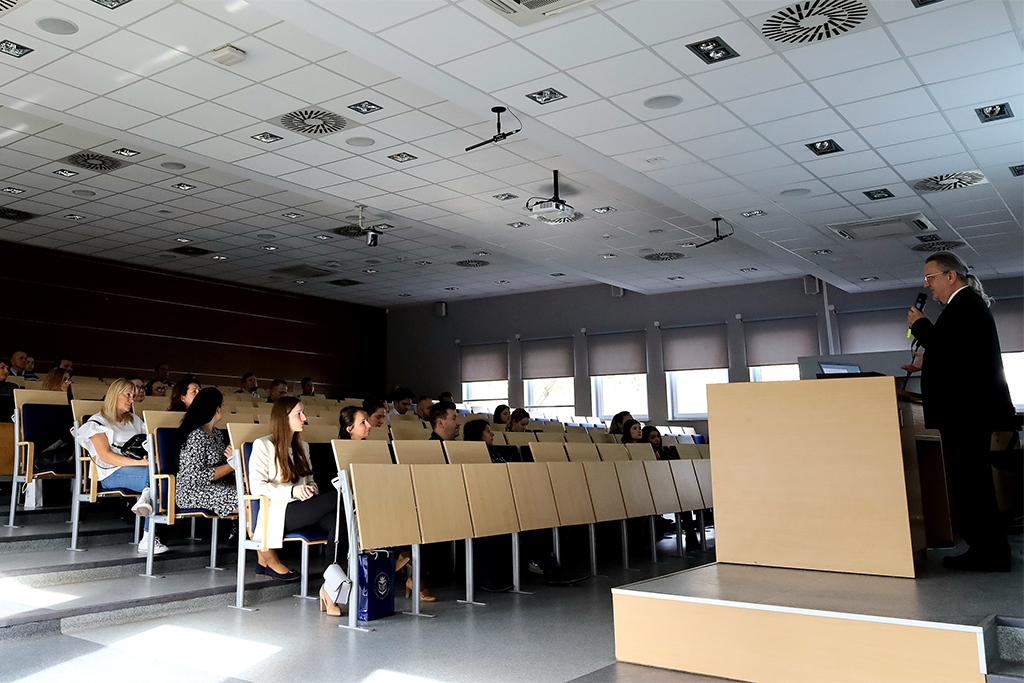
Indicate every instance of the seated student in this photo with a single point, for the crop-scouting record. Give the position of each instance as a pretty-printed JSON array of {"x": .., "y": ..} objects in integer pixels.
[
  {"x": 518, "y": 421},
  {"x": 249, "y": 385},
  {"x": 617, "y": 421},
  {"x": 278, "y": 389},
  {"x": 444, "y": 421},
  {"x": 632, "y": 431},
  {"x": 307, "y": 386},
  {"x": 375, "y": 410},
  {"x": 6, "y": 388},
  {"x": 18, "y": 365},
  {"x": 480, "y": 430},
  {"x": 279, "y": 469},
  {"x": 651, "y": 435},
  {"x": 64, "y": 363},
  {"x": 30, "y": 365},
  {"x": 402, "y": 400},
  {"x": 156, "y": 387},
  {"x": 140, "y": 387},
  {"x": 202, "y": 480},
  {"x": 184, "y": 392},
  {"x": 423, "y": 408},
  {"x": 57, "y": 380},
  {"x": 160, "y": 372},
  {"x": 502, "y": 415},
  {"x": 446, "y": 396},
  {"x": 115, "y": 439}
]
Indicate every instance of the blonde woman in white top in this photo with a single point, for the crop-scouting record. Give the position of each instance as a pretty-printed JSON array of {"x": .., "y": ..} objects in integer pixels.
[
  {"x": 279, "y": 469},
  {"x": 107, "y": 436}
]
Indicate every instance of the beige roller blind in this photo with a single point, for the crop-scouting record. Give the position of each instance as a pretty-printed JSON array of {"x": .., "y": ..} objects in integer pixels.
[
  {"x": 544, "y": 358},
  {"x": 776, "y": 342},
  {"x": 695, "y": 348},
  {"x": 484, "y": 362},
  {"x": 870, "y": 331},
  {"x": 622, "y": 353},
  {"x": 1009, "y": 316}
]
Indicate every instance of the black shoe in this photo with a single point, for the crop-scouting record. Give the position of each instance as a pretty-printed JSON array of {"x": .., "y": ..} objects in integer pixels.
[
  {"x": 290, "y": 576},
  {"x": 260, "y": 569},
  {"x": 691, "y": 542},
  {"x": 979, "y": 561},
  {"x": 495, "y": 585},
  {"x": 559, "y": 576}
]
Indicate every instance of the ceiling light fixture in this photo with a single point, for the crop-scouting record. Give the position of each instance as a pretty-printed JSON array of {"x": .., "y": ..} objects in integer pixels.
[
  {"x": 502, "y": 282},
  {"x": 83, "y": 193},
  {"x": 300, "y": 282},
  {"x": 266, "y": 137},
  {"x": 505, "y": 196},
  {"x": 359, "y": 141},
  {"x": 546, "y": 96},
  {"x": 687, "y": 245},
  {"x": 606, "y": 256},
  {"x": 292, "y": 215},
  {"x": 16, "y": 190},
  {"x": 172, "y": 165},
  {"x": 74, "y": 217},
  {"x": 65, "y": 173},
  {"x": 822, "y": 252},
  {"x": 183, "y": 240},
  {"x": 163, "y": 211},
  {"x": 748, "y": 270},
  {"x": 795, "y": 192},
  {"x": 268, "y": 247},
  {"x": 823, "y": 147},
  {"x": 228, "y": 55},
  {"x": 125, "y": 152},
  {"x": 713, "y": 50},
  {"x": 220, "y": 258},
  {"x": 184, "y": 187},
  {"x": 676, "y": 277},
  {"x": 382, "y": 226},
  {"x": 994, "y": 112},
  {"x": 57, "y": 26},
  {"x": 481, "y": 253},
  {"x": 656, "y": 160},
  {"x": 605, "y": 209},
  {"x": 404, "y": 294},
  {"x": 881, "y": 193},
  {"x": 557, "y": 274},
  {"x": 370, "y": 271},
  {"x": 1017, "y": 170},
  {"x": 365, "y": 107},
  {"x": 9, "y": 47},
  {"x": 924, "y": 3},
  {"x": 402, "y": 157},
  {"x": 656, "y": 231},
  {"x": 424, "y": 263},
  {"x": 663, "y": 101},
  {"x": 869, "y": 279},
  {"x": 111, "y": 4},
  {"x": 518, "y": 224},
  {"x": 756, "y": 213}
]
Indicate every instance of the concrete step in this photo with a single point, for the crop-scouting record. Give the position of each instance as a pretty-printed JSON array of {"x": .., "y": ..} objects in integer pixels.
[
  {"x": 60, "y": 513},
  {"x": 57, "y": 535}
]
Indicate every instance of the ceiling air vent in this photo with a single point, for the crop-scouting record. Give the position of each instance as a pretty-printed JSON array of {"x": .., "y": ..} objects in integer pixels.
[
  {"x": 559, "y": 219},
  {"x": 312, "y": 122},
  {"x": 91, "y": 161},
  {"x": 664, "y": 256},
  {"x": 810, "y": 22},
  {"x": 950, "y": 181},
  {"x": 191, "y": 251},
  {"x": 939, "y": 245},
  {"x": 344, "y": 282},
  {"x": 349, "y": 231},
  {"x": 303, "y": 272},
  {"x": 8, "y": 214},
  {"x": 876, "y": 228},
  {"x": 526, "y": 12},
  {"x": 7, "y": 5},
  {"x": 472, "y": 263}
]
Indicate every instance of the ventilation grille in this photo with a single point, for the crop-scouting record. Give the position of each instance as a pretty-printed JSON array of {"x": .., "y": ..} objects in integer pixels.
[
  {"x": 304, "y": 272},
  {"x": 664, "y": 256},
  {"x": 939, "y": 245},
  {"x": 950, "y": 181},
  {"x": 561, "y": 219},
  {"x": 191, "y": 251},
  {"x": 91, "y": 161},
  {"x": 472, "y": 263},
  {"x": 810, "y": 22},
  {"x": 349, "y": 231},
  {"x": 8, "y": 214},
  {"x": 526, "y": 12},
  {"x": 7, "y": 4},
  {"x": 312, "y": 122},
  {"x": 344, "y": 282}
]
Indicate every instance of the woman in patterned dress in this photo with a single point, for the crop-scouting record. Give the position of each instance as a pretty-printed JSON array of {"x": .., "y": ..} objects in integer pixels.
[{"x": 202, "y": 480}]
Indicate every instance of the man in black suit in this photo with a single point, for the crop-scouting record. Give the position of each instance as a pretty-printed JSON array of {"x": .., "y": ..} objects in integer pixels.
[{"x": 966, "y": 398}]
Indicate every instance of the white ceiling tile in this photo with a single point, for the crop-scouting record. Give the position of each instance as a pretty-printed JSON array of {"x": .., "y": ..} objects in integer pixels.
[
  {"x": 963, "y": 60},
  {"x": 429, "y": 193},
  {"x": 368, "y": 14},
  {"x": 237, "y": 13},
  {"x": 938, "y": 166},
  {"x": 782, "y": 175},
  {"x": 201, "y": 79},
  {"x": 214, "y": 118},
  {"x": 313, "y": 84},
  {"x": 631, "y": 71},
  {"x": 978, "y": 90},
  {"x": 757, "y": 160},
  {"x": 411, "y": 125},
  {"x": 682, "y": 175},
  {"x": 407, "y": 93},
  {"x": 154, "y": 97},
  {"x": 474, "y": 184},
  {"x": 907, "y": 130},
  {"x": 499, "y": 67},
  {"x": 453, "y": 142},
  {"x": 726, "y": 144},
  {"x": 442, "y": 36},
  {"x": 46, "y": 92},
  {"x": 588, "y": 118},
  {"x": 396, "y": 181},
  {"x": 696, "y": 124},
  {"x": 581, "y": 41},
  {"x": 187, "y": 30},
  {"x": 854, "y": 51},
  {"x": 314, "y": 153},
  {"x": 353, "y": 192},
  {"x": 461, "y": 205},
  {"x": 223, "y": 149},
  {"x": 170, "y": 132},
  {"x": 747, "y": 42},
  {"x": 575, "y": 95},
  {"x": 893, "y": 10},
  {"x": 901, "y": 105},
  {"x": 709, "y": 189},
  {"x": 997, "y": 136},
  {"x": 671, "y": 155},
  {"x": 356, "y": 168},
  {"x": 359, "y": 70},
  {"x": 949, "y": 26},
  {"x": 837, "y": 164},
  {"x": 89, "y": 27},
  {"x": 655, "y": 22},
  {"x": 777, "y": 104},
  {"x": 747, "y": 78},
  {"x": 454, "y": 114},
  {"x": 88, "y": 74},
  {"x": 692, "y": 96},
  {"x": 622, "y": 140},
  {"x": 866, "y": 83},
  {"x": 440, "y": 171},
  {"x": 42, "y": 147},
  {"x": 261, "y": 102},
  {"x": 921, "y": 149},
  {"x": 312, "y": 177},
  {"x": 80, "y": 139},
  {"x": 816, "y": 125},
  {"x": 299, "y": 42},
  {"x": 147, "y": 57}
]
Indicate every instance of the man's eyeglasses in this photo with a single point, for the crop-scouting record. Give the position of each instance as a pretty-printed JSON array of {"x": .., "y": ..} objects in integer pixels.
[{"x": 929, "y": 277}]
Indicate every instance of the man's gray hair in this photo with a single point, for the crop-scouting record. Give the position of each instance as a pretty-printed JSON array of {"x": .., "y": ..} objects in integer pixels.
[{"x": 950, "y": 262}]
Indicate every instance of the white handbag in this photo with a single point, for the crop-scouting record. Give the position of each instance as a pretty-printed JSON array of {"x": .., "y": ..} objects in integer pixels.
[{"x": 337, "y": 585}]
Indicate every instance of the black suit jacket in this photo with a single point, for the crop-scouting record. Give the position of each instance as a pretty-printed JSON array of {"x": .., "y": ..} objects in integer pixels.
[{"x": 962, "y": 379}]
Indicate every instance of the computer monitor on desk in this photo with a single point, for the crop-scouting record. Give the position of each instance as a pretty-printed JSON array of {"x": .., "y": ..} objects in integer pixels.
[{"x": 838, "y": 368}]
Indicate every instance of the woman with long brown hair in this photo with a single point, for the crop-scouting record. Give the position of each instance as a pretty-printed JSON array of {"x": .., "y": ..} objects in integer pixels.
[
  {"x": 58, "y": 379},
  {"x": 279, "y": 469}
]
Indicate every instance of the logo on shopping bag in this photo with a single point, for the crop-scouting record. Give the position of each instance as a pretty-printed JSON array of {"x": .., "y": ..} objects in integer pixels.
[{"x": 382, "y": 585}]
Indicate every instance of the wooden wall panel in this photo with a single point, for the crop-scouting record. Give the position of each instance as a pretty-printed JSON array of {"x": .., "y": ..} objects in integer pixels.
[{"x": 115, "y": 318}]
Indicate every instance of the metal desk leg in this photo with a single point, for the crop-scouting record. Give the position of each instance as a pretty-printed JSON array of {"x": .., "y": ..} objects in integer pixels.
[
  {"x": 416, "y": 584},
  {"x": 516, "y": 586},
  {"x": 469, "y": 576}
]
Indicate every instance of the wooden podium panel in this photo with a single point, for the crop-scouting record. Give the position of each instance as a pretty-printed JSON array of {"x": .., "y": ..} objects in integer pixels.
[{"x": 809, "y": 475}]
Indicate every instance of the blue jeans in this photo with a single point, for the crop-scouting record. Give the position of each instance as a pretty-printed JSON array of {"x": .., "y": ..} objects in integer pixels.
[{"x": 131, "y": 478}]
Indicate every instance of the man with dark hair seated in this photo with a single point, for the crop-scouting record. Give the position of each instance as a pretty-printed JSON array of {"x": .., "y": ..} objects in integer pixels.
[
  {"x": 444, "y": 421},
  {"x": 249, "y": 383},
  {"x": 446, "y": 396},
  {"x": 402, "y": 399},
  {"x": 307, "y": 386},
  {"x": 6, "y": 388},
  {"x": 160, "y": 372},
  {"x": 64, "y": 363},
  {"x": 278, "y": 389},
  {"x": 19, "y": 365}
]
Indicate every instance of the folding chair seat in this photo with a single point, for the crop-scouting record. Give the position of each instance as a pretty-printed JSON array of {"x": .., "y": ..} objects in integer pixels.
[{"x": 42, "y": 419}]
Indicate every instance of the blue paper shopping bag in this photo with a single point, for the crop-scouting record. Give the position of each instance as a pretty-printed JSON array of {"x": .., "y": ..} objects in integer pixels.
[{"x": 376, "y": 585}]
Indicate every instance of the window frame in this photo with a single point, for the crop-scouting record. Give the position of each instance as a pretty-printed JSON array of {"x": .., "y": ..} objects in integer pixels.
[
  {"x": 670, "y": 380},
  {"x": 597, "y": 395}
]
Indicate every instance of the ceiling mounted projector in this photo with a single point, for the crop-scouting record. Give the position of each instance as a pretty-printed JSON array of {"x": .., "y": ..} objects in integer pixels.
[{"x": 549, "y": 209}]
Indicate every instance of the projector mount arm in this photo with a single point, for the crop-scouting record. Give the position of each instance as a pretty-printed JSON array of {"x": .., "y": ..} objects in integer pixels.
[
  {"x": 718, "y": 233},
  {"x": 500, "y": 136}
]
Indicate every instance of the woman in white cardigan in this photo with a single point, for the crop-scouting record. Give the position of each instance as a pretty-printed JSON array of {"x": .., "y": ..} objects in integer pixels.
[{"x": 280, "y": 470}]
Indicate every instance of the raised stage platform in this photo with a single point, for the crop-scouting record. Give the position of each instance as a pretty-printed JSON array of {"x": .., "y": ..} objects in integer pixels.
[{"x": 768, "y": 624}]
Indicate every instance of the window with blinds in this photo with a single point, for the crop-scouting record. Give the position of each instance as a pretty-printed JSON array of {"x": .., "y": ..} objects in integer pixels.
[
  {"x": 780, "y": 342},
  {"x": 871, "y": 331},
  {"x": 484, "y": 362},
  {"x": 622, "y": 353},
  {"x": 695, "y": 348}
]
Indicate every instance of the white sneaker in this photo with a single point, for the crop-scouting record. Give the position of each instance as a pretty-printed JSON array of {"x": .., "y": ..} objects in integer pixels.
[
  {"x": 144, "y": 506},
  {"x": 158, "y": 547},
  {"x": 534, "y": 568}
]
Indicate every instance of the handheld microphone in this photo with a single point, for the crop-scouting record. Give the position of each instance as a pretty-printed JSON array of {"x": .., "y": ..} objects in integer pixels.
[{"x": 922, "y": 299}]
